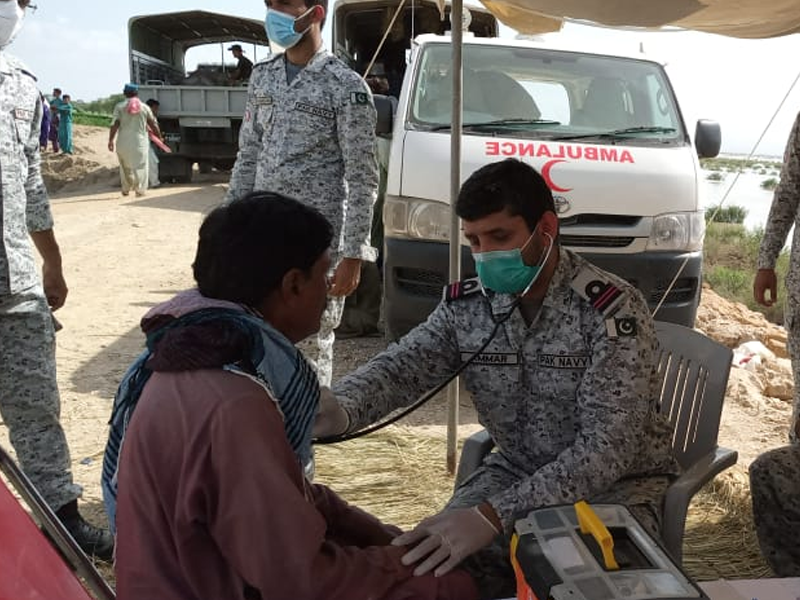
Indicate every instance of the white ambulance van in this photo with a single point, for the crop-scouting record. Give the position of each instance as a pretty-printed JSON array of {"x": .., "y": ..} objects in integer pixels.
[{"x": 605, "y": 131}]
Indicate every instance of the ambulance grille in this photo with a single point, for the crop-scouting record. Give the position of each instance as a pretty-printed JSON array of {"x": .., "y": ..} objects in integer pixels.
[
  {"x": 420, "y": 282},
  {"x": 684, "y": 290},
  {"x": 596, "y": 241}
]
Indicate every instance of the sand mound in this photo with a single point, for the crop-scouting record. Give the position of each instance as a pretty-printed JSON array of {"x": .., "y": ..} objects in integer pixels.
[{"x": 91, "y": 168}]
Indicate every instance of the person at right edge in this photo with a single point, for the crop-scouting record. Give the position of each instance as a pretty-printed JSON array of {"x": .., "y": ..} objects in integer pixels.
[
  {"x": 567, "y": 388},
  {"x": 29, "y": 399},
  {"x": 309, "y": 132},
  {"x": 775, "y": 475}
]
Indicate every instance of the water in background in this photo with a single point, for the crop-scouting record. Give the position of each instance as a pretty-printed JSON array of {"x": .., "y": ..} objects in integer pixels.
[{"x": 746, "y": 192}]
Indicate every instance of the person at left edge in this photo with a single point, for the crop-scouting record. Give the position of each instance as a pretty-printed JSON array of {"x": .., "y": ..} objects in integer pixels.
[
  {"x": 309, "y": 132},
  {"x": 29, "y": 399}
]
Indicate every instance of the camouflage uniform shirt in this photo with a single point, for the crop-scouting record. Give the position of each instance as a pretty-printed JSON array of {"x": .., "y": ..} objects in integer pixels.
[
  {"x": 785, "y": 212},
  {"x": 570, "y": 400},
  {"x": 312, "y": 139},
  {"x": 25, "y": 204}
]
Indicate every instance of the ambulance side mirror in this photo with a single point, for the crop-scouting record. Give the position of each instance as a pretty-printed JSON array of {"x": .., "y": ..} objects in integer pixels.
[
  {"x": 386, "y": 107},
  {"x": 707, "y": 138}
]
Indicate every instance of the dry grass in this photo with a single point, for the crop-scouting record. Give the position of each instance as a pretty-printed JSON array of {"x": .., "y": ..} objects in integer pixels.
[{"x": 400, "y": 476}]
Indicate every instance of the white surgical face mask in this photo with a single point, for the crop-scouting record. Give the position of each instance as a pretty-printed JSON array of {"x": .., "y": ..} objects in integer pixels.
[{"x": 11, "y": 15}]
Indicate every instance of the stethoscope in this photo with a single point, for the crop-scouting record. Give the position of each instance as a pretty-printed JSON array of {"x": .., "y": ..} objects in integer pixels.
[{"x": 497, "y": 319}]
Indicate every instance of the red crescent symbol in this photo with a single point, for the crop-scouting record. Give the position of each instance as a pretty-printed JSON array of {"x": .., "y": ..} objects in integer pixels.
[{"x": 548, "y": 179}]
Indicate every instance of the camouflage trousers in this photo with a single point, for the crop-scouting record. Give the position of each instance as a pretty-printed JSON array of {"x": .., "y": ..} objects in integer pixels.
[
  {"x": 775, "y": 488},
  {"x": 29, "y": 401},
  {"x": 318, "y": 349},
  {"x": 792, "y": 322},
  {"x": 491, "y": 566}
]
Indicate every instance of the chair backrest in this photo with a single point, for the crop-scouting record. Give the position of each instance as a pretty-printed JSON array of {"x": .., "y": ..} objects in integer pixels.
[
  {"x": 694, "y": 373},
  {"x": 30, "y": 566}
]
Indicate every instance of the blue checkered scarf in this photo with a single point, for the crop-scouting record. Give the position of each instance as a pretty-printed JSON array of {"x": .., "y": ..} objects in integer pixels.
[{"x": 238, "y": 342}]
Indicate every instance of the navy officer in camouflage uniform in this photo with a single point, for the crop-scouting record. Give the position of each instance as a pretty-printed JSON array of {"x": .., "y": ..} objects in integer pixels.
[
  {"x": 567, "y": 387},
  {"x": 309, "y": 133},
  {"x": 29, "y": 400},
  {"x": 775, "y": 475}
]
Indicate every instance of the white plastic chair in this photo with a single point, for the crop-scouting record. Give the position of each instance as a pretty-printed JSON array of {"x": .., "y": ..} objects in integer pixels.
[{"x": 694, "y": 373}]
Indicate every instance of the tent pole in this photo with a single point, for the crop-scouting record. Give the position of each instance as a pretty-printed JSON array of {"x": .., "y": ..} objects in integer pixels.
[{"x": 456, "y": 13}]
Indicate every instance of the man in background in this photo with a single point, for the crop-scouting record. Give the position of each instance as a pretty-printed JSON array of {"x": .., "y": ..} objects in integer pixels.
[
  {"x": 65, "y": 113},
  {"x": 131, "y": 120},
  {"x": 152, "y": 162},
  {"x": 244, "y": 66},
  {"x": 29, "y": 399},
  {"x": 309, "y": 132}
]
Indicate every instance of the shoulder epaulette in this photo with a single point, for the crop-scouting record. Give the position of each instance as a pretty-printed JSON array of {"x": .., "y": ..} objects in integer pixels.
[
  {"x": 15, "y": 63},
  {"x": 461, "y": 289},
  {"x": 598, "y": 290}
]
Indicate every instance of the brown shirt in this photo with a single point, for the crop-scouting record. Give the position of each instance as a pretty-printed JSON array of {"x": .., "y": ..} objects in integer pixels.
[{"x": 213, "y": 505}]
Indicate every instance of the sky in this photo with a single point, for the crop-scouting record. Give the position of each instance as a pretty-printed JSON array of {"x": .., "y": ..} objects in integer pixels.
[{"x": 82, "y": 47}]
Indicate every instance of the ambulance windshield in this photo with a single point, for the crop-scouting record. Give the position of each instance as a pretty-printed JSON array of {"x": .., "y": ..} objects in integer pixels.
[{"x": 540, "y": 93}]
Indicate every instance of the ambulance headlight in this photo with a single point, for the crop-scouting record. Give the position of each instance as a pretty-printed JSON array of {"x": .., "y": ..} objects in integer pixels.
[
  {"x": 416, "y": 219},
  {"x": 682, "y": 231}
]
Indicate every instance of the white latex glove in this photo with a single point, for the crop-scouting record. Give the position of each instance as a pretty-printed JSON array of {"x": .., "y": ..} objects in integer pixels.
[
  {"x": 331, "y": 418},
  {"x": 446, "y": 539}
]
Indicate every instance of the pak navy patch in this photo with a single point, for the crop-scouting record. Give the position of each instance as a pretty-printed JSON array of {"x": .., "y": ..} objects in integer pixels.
[
  {"x": 564, "y": 361},
  {"x": 359, "y": 98},
  {"x": 459, "y": 289},
  {"x": 618, "y": 327},
  {"x": 602, "y": 294}
]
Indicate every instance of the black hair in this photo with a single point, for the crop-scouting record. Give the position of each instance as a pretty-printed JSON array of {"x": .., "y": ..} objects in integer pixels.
[
  {"x": 247, "y": 247},
  {"x": 509, "y": 184},
  {"x": 56, "y": 90},
  {"x": 151, "y": 102}
]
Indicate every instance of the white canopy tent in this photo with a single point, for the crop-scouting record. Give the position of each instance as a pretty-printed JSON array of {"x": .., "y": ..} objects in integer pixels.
[{"x": 735, "y": 18}]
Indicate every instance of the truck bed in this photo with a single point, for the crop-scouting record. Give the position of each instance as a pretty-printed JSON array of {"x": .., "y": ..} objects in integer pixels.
[{"x": 179, "y": 101}]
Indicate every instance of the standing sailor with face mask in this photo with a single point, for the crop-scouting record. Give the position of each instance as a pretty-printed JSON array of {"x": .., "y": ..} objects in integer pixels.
[
  {"x": 567, "y": 387},
  {"x": 309, "y": 132},
  {"x": 29, "y": 400}
]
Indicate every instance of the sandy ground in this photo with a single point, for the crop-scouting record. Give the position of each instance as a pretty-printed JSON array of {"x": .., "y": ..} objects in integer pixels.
[{"x": 123, "y": 255}]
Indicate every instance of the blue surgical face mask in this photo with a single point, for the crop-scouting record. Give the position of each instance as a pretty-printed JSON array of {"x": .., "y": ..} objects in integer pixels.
[
  {"x": 505, "y": 272},
  {"x": 280, "y": 28}
]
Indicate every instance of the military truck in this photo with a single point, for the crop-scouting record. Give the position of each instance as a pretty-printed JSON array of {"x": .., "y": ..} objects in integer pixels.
[{"x": 200, "y": 112}]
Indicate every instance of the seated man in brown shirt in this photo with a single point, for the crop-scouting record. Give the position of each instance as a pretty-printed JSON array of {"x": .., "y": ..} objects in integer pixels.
[{"x": 211, "y": 497}]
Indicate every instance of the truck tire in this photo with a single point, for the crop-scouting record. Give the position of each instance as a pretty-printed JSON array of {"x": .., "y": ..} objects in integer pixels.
[
  {"x": 224, "y": 165},
  {"x": 185, "y": 173}
]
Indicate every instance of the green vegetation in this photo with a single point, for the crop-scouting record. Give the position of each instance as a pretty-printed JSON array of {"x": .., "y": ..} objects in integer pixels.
[
  {"x": 97, "y": 112},
  {"x": 90, "y": 118},
  {"x": 769, "y": 184},
  {"x": 730, "y": 254},
  {"x": 726, "y": 163},
  {"x": 715, "y": 176},
  {"x": 102, "y": 105},
  {"x": 729, "y": 214}
]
